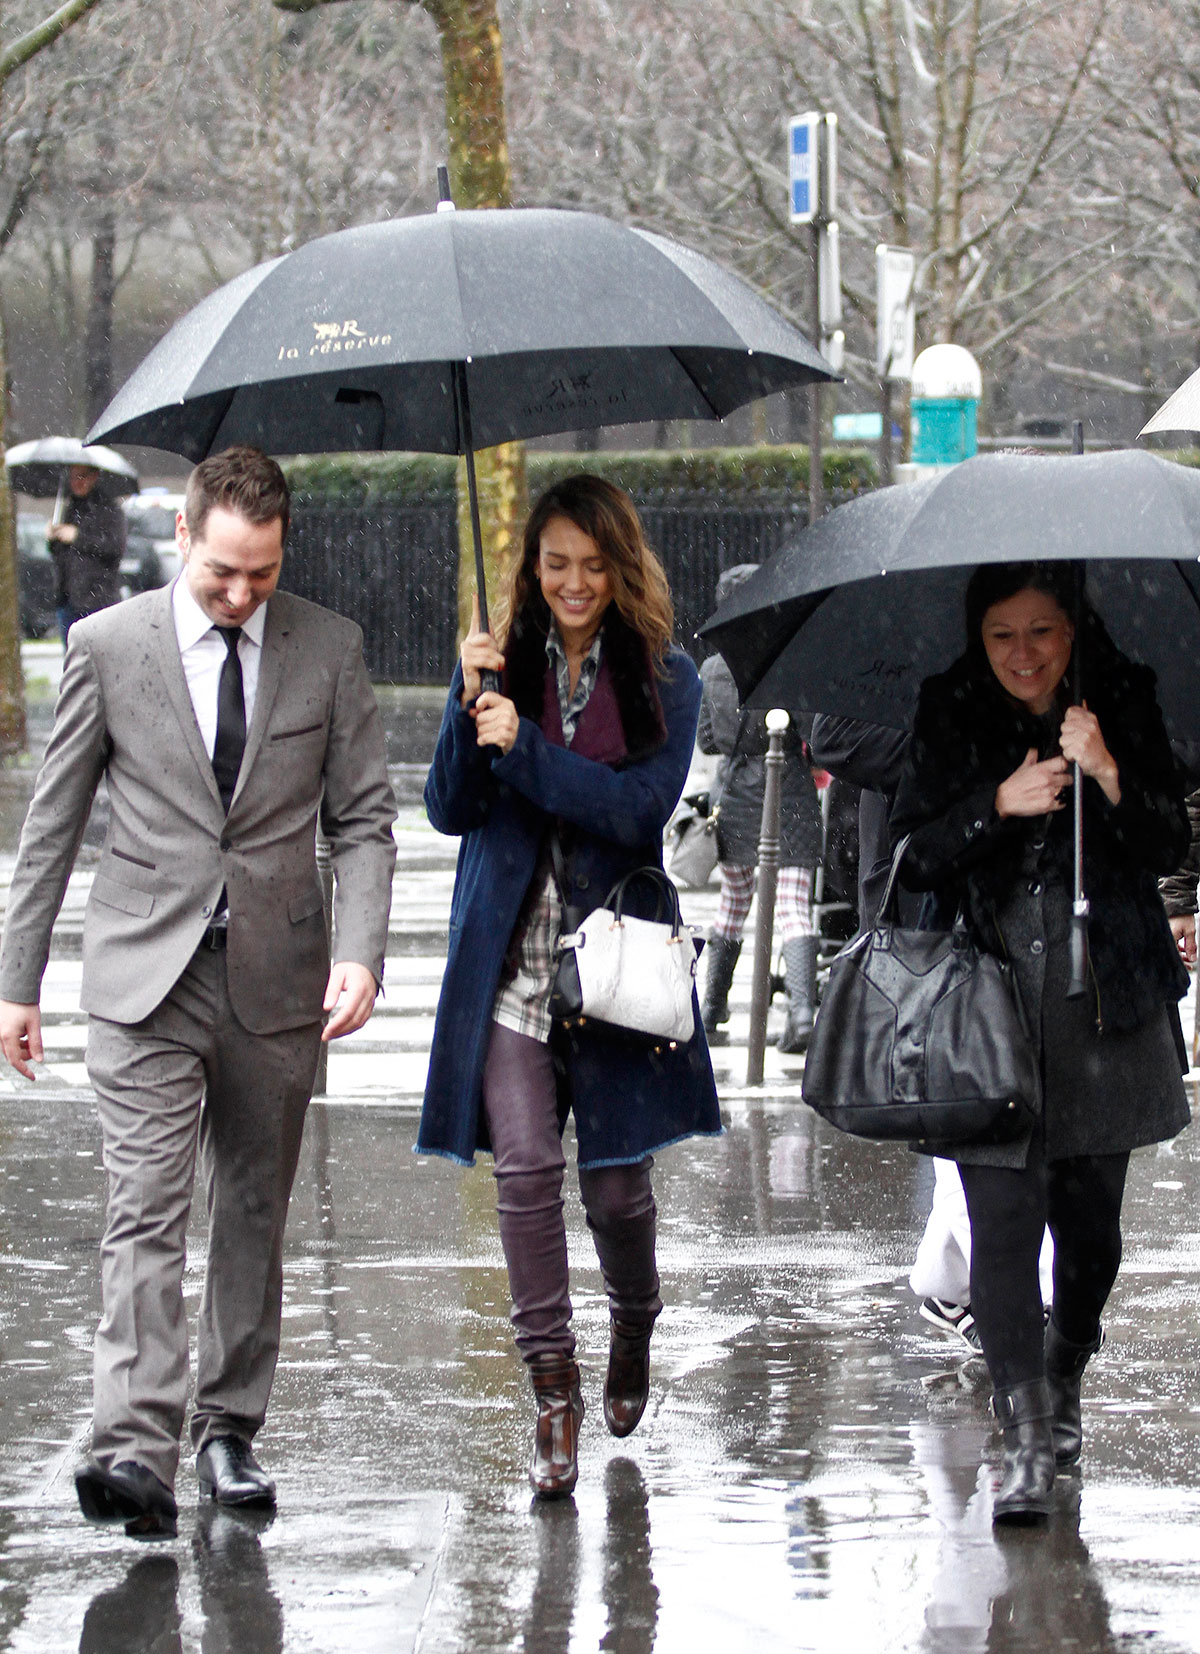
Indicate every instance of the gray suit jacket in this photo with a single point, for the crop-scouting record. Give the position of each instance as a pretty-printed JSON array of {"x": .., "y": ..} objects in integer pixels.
[{"x": 315, "y": 743}]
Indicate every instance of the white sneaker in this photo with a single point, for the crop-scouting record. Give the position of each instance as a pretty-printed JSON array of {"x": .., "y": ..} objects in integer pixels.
[{"x": 955, "y": 1320}]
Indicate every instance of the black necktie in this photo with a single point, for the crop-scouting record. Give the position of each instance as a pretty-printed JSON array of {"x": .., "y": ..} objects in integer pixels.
[{"x": 230, "y": 741}]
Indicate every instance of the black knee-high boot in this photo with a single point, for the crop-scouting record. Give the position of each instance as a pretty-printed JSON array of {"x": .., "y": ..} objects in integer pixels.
[
  {"x": 800, "y": 964},
  {"x": 1064, "y": 1370},
  {"x": 1026, "y": 1491},
  {"x": 720, "y": 962}
]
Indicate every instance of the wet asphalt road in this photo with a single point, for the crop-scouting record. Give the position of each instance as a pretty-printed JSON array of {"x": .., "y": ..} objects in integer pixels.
[{"x": 814, "y": 1471}]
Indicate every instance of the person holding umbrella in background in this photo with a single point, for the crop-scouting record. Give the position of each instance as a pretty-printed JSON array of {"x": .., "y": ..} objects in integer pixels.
[
  {"x": 983, "y": 795},
  {"x": 587, "y": 742},
  {"x": 741, "y": 739},
  {"x": 87, "y": 542}
]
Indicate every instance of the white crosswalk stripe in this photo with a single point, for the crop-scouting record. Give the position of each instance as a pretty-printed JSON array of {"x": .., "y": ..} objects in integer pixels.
[{"x": 386, "y": 1061}]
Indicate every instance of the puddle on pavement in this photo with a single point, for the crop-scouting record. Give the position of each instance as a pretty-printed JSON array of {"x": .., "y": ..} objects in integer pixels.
[{"x": 813, "y": 1472}]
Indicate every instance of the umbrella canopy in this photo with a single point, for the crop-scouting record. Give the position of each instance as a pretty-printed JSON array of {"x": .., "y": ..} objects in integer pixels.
[
  {"x": 559, "y": 320},
  {"x": 852, "y": 614},
  {"x": 38, "y": 468},
  {"x": 1180, "y": 412}
]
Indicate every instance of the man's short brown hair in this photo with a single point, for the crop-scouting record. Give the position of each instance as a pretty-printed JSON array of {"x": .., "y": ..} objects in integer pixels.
[{"x": 243, "y": 480}]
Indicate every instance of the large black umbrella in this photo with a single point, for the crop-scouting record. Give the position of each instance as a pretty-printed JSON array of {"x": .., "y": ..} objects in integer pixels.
[
  {"x": 39, "y": 467},
  {"x": 453, "y": 331},
  {"x": 851, "y": 615}
]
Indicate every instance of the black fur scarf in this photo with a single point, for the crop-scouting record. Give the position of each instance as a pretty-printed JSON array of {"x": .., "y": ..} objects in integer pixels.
[{"x": 629, "y": 662}]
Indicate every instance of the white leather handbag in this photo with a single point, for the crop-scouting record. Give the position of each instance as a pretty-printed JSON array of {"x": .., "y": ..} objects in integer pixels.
[{"x": 636, "y": 974}]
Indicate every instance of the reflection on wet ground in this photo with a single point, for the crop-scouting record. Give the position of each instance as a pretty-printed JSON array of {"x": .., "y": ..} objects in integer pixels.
[{"x": 813, "y": 1473}]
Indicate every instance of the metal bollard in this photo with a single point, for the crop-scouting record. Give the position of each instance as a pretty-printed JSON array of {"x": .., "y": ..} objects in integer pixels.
[
  {"x": 768, "y": 876},
  {"x": 325, "y": 870}
]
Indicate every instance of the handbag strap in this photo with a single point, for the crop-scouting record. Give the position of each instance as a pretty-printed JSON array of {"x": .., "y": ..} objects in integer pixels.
[
  {"x": 666, "y": 893},
  {"x": 885, "y": 900},
  {"x": 960, "y": 931},
  {"x": 558, "y": 867}
]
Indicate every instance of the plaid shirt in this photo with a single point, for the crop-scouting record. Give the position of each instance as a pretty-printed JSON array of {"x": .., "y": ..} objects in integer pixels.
[{"x": 523, "y": 998}]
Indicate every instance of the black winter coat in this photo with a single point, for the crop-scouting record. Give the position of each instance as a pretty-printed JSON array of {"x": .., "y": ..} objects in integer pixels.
[
  {"x": 969, "y": 736},
  {"x": 743, "y": 777},
  {"x": 89, "y": 575}
]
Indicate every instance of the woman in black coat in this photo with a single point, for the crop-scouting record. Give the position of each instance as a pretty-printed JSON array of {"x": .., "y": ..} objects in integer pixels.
[{"x": 986, "y": 796}]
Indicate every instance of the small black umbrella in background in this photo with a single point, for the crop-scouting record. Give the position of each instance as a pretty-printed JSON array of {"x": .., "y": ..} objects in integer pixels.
[
  {"x": 851, "y": 615},
  {"x": 453, "y": 331},
  {"x": 39, "y": 468}
]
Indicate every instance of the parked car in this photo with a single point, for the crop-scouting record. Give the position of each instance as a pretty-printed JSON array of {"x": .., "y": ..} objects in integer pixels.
[
  {"x": 151, "y": 556},
  {"x": 36, "y": 576}
]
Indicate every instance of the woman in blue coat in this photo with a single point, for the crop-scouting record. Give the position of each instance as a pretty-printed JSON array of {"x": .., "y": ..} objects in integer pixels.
[{"x": 589, "y": 741}]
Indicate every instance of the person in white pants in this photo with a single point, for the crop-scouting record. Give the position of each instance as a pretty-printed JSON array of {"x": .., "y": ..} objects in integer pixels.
[{"x": 941, "y": 1271}]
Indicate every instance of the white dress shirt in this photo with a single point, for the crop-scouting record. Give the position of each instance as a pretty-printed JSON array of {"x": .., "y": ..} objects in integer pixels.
[{"x": 203, "y": 654}]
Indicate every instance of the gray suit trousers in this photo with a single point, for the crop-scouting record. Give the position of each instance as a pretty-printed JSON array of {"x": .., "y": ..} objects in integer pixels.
[{"x": 187, "y": 1078}]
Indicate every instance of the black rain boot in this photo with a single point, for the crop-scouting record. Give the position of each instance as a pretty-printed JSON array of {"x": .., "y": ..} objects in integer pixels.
[
  {"x": 720, "y": 962},
  {"x": 1026, "y": 1493},
  {"x": 1064, "y": 1369},
  {"x": 800, "y": 963}
]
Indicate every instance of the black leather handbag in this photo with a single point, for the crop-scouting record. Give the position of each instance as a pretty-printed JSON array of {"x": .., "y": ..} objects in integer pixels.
[{"x": 921, "y": 1037}]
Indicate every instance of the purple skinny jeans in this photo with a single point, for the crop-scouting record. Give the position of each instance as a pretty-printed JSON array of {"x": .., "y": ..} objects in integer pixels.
[{"x": 520, "y": 1101}]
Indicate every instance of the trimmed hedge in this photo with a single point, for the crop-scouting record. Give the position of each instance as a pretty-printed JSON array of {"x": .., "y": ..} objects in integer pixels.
[{"x": 649, "y": 475}]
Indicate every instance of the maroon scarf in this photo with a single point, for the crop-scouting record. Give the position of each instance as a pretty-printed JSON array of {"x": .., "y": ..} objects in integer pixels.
[{"x": 599, "y": 733}]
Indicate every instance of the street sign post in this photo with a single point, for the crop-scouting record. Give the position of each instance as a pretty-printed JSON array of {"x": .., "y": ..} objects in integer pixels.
[
  {"x": 804, "y": 168},
  {"x": 829, "y": 280},
  {"x": 894, "y": 329},
  {"x": 812, "y": 199},
  {"x": 895, "y": 269}
]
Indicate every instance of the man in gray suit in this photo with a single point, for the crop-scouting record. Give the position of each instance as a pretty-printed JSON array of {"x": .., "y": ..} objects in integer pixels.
[{"x": 226, "y": 719}]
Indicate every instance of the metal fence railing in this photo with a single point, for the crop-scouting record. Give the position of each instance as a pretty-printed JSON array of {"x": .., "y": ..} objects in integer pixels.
[{"x": 393, "y": 568}]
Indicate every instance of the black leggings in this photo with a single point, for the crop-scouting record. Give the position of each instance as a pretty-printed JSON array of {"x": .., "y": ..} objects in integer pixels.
[{"x": 1080, "y": 1199}]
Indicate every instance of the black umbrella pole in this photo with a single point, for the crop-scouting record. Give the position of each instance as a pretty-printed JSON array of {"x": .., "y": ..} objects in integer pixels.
[
  {"x": 462, "y": 406},
  {"x": 1078, "y": 952},
  {"x": 768, "y": 877},
  {"x": 1080, "y": 907}
]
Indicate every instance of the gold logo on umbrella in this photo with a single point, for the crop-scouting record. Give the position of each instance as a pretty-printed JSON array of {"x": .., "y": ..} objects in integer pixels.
[{"x": 334, "y": 337}]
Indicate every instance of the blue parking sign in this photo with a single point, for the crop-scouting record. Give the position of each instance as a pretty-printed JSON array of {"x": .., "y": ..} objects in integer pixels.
[{"x": 803, "y": 162}]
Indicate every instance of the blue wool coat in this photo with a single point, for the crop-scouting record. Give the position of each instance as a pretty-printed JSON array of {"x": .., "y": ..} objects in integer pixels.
[{"x": 628, "y": 1101}]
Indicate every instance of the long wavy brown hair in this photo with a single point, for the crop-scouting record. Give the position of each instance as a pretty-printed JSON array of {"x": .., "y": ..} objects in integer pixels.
[{"x": 606, "y": 514}]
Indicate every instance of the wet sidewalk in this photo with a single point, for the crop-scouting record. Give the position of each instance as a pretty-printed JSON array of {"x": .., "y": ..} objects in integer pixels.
[{"x": 814, "y": 1470}]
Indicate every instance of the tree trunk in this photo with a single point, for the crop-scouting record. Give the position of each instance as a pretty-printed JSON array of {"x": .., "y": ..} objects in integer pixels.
[
  {"x": 480, "y": 176},
  {"x": 12, "y": 683},
  {"x": 98, "y": 335}
]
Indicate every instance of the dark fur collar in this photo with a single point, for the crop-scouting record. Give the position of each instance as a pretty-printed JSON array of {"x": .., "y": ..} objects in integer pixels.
[{"x": 628, "y": 659}]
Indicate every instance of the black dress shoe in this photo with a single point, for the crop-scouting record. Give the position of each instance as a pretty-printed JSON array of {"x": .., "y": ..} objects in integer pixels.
[
  {"x": 127, "y": 1492},
  {"x": 229, "y": 1473}
]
